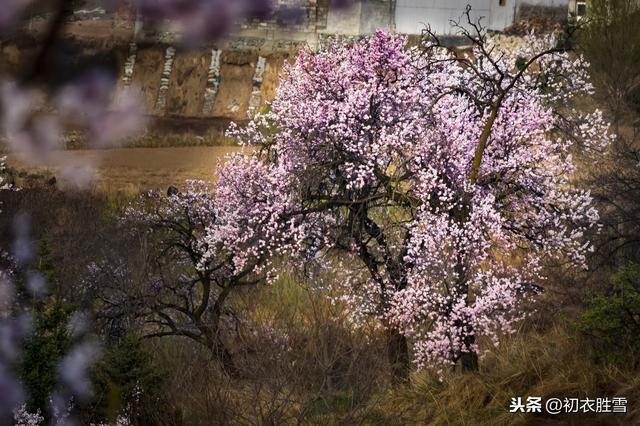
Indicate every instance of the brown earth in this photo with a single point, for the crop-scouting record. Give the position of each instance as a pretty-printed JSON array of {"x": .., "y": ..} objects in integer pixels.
[
  {"x": 236, "y": 77},
  {"x": 185, "y": 96},
  {"x": 147, "y": 72},
  {"x": 134, "y": 169},
  {"x": 272, "y": 74}
]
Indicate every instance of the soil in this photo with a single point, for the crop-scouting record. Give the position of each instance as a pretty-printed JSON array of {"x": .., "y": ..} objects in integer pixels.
[
  {"x": 236, "y": 77},
  {"x": 187, "y": 85},
  {"x": 147, "y": 72},
  {"x": 134, "y": 169},
  {"x": 186, "y": 94}
]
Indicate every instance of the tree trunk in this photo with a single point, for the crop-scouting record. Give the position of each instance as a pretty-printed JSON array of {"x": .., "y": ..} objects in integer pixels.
[
  {"x": 398, "y": 352},
  {"x": 220, "y": 353},
  {"x": 469, "y": 361},
  {"x": 224, "y": 357}
]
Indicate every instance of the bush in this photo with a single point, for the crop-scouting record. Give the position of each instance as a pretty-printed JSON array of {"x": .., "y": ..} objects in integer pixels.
[
  {"x": 126, "y": 383},
  {"x": 613, "y": 319},
  {"x": 611, "y": 43},
  {"x": 43, "y": 350},
  {"x": 50, "y": 339}
]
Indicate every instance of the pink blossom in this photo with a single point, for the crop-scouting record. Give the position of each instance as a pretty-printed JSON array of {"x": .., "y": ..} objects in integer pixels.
[{"x": 368, "y": 155}]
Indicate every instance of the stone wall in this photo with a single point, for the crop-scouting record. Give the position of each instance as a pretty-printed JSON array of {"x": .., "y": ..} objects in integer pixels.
[
  {"x": 375, "y": 14},
  {"x": 555, "y": 10}
]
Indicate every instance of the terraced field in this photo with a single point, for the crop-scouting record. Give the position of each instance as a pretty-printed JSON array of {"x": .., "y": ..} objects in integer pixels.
[{"x": 133, "y": 169}]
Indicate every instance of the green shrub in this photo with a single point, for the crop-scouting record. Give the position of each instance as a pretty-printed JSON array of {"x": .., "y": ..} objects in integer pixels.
[
  {"x": 125, "y": 382},
  {"x": 42, "y": 352},
  {"x": 50, "y": 339},
  {"x": 610, "y": 41},
  {"x": 612, "y": 319}
]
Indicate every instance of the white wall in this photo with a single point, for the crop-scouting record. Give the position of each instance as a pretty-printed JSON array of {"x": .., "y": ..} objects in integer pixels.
[
  {"x": 557, "y": 3},
  {"x": 502, "y": 16},
  {"x": 345, "y": 20},
  {"x": 412, "y": 15}
]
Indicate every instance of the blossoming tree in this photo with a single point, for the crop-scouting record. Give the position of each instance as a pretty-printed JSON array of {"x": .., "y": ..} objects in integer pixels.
[
  {"x": 198, "y": 260},
  {"x": 434, "y": 185}
]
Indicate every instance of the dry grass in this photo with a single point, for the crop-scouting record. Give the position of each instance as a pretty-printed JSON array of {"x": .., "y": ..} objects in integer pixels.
[
  {"x": 331, "y": 375},
  {"x": 553, "y": 364},
  {"x": 300, "y": 360},
  {"x": 325, "y": 372}
]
